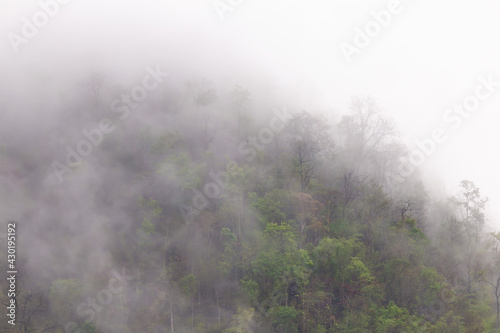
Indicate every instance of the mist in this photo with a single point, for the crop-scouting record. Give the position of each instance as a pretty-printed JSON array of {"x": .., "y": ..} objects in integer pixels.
[{"x": 155, "y": 155}]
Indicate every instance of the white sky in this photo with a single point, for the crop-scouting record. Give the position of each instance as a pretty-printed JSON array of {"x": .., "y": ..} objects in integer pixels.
[{"x": 428, "y": 58}]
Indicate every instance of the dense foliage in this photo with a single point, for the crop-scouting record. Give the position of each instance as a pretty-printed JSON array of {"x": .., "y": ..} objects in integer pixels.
[{"x": 286, "y": 222}]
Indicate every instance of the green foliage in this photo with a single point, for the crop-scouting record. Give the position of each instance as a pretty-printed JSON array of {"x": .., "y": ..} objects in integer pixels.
[
  {"x": 331, "y": 256},
  {"x": 280, "y": 237},
  {"x": 271, "y": 207},
  {"x": 148, "y": 227},
  {"x": 357, "y": 271},
  {"x": 392, "y": 319},
  {"x": 179, "y": 168},
  {"x": 432, "y": 285},
  {"x": 251, "y": 288},
  {"x": 301, "y": 241},
  {"x": 88, "y": 328},
  {"x": 152, "y": 213},
  {"x": 449, "y": 323},
  {"x": 228, "y": 259},
  {"x": 64, "y": 292},
  {"x": 243, "y": 321},
  {"x": 188, "y": 285},
  {"x": 165, "y": 143},
  {"x": 411, "y": 227},
  {"x": 284, "y": 319}
]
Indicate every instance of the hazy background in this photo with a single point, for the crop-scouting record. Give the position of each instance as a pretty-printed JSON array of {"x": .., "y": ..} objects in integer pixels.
[{"x": 428, "y": 58}]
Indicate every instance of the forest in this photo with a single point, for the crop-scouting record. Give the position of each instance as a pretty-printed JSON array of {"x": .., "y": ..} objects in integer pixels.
[{"x": 203, "y": 209}]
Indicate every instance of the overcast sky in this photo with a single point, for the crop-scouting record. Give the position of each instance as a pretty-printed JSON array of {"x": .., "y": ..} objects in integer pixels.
[{"x": 426, "y": 59}]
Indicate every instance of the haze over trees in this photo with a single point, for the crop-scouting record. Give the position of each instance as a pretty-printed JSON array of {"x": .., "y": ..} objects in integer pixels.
[
  {"x": 309, "y": 233},
  {"x": 230, "y": 166}
]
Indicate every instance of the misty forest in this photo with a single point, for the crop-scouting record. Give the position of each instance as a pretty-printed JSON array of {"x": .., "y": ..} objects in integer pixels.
[
  {"x": 156, "y": 196},
  {"x": 222, "y": 215}
]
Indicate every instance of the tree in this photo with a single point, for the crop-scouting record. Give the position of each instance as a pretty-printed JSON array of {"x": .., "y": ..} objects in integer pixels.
[
  {"x": 351, "y": 185},
  {"x": 281, "y": 269},
  {"x": 368, "y": 140},
  {"x": 201, "y": 90},
  {"x": 392, "y": 319},
  {"x": 307, "y": 215},
  {"x": 470, "y": 220},
  {"x": 63, "y": 292},
  {"x": 243, "y": 321},
  {"x": 31, "y": 310},
  {"x": 203, "y": 93},
  {"x": 329, "y": 197},
  {"x": 240, "y": 98},
  {"x": 189, "y": 285},
  {"x": 285, "y": 319},
  {"x": 365, "y": 129},
  {"x": 470, "y": 209},
  {"x": 494, "y": 272},
  {"x": 309, "y": 141}
]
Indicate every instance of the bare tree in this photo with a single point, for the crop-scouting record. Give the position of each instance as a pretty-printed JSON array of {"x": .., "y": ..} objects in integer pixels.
[
  {"x": 310, "y": 140},
  {"x": 351, "y": 185},
  {"x": 330, "y": 197},
  {"x": 369, "y": 139},
  {"x": 468, "y": 222},
  {"x": 365, "y": 128},
  {"x": 470, "y": 208},
  {"x": 30, "y": 308}
]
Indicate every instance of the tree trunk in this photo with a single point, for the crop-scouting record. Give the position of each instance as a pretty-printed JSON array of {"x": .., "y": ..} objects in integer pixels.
[
  {"x": 192, "y": 313},
  {"x": 497, "y": 294},
  {"x": 498, "y": 310},
  {"x": 171, "y": 316},
  {"x": 218, "y": 305}
]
